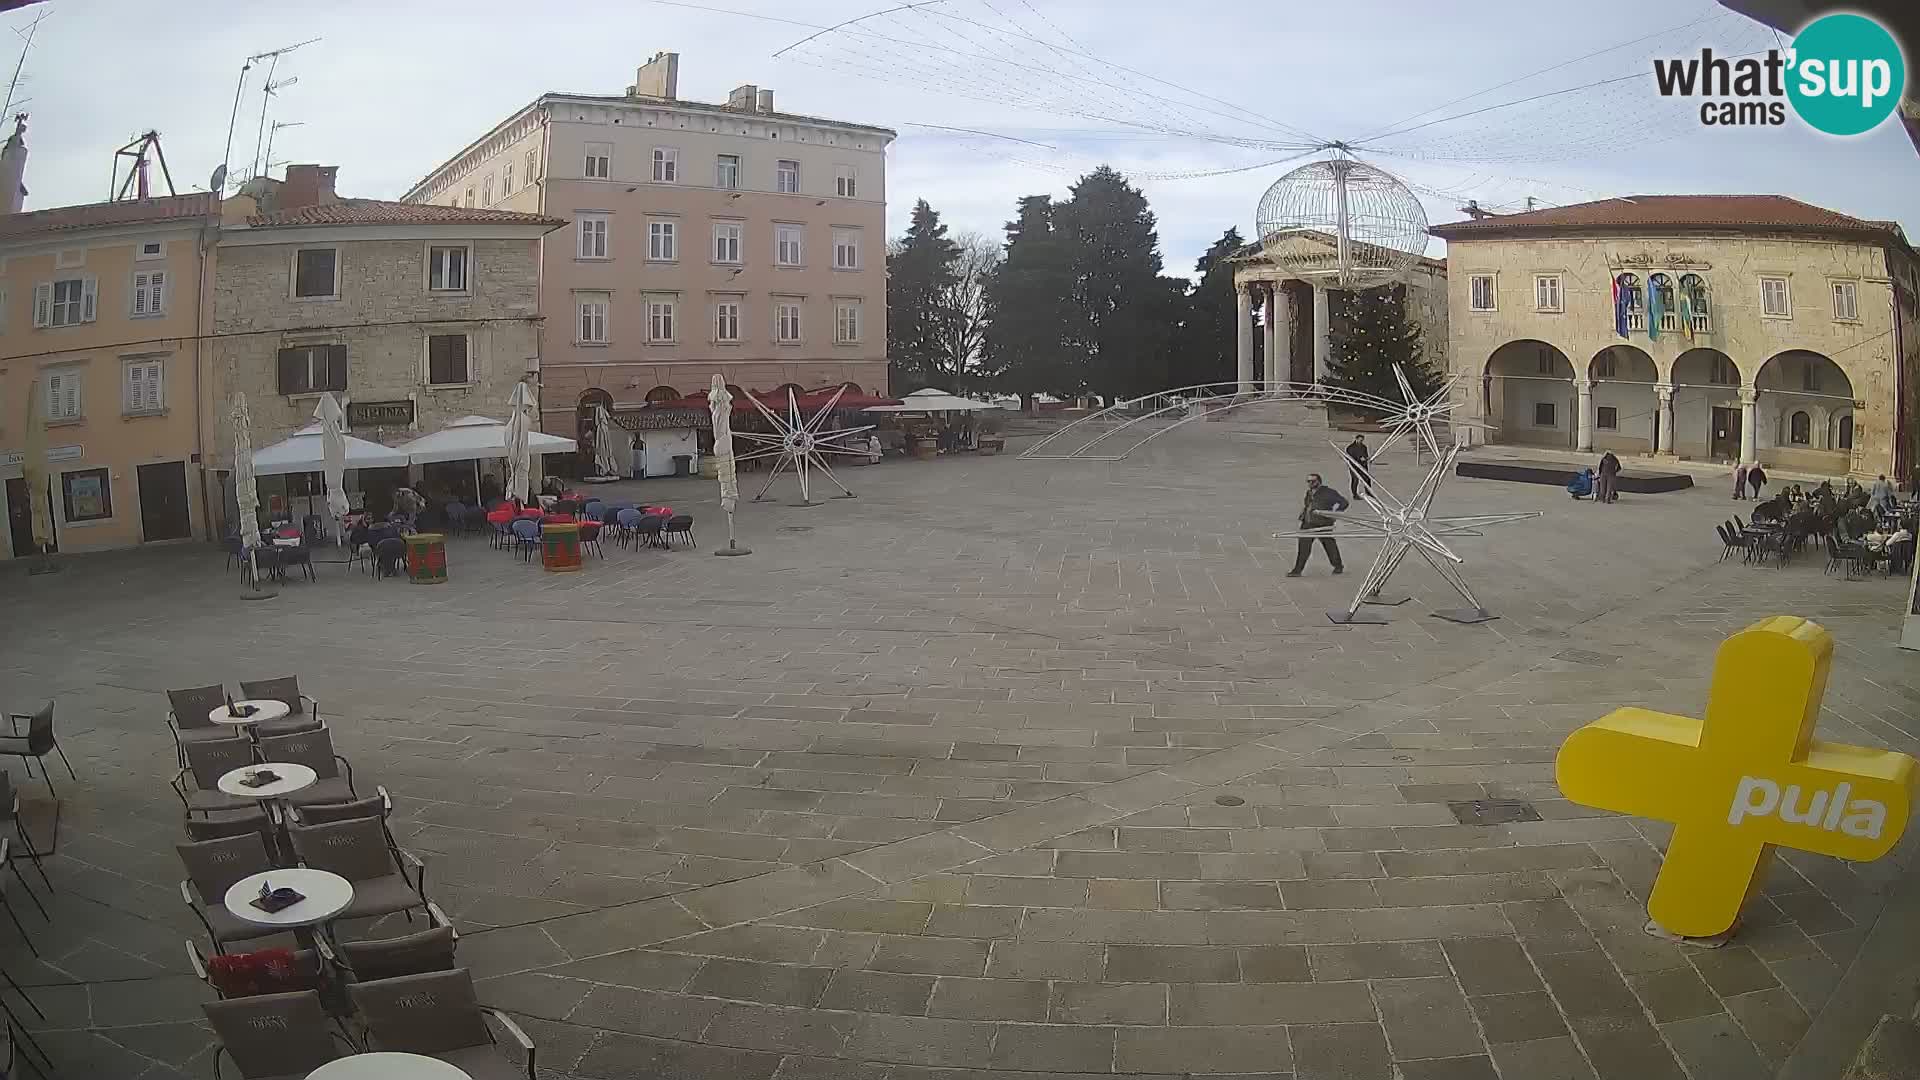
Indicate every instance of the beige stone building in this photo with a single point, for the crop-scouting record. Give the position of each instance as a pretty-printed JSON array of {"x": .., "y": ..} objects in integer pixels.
[
  {"x": 701, "y": 238},
  {"x": 415, "y": 315},
  {"x": 1707, "y": 327}
]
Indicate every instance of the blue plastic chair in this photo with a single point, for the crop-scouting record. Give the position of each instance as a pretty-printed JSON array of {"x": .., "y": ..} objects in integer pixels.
[
  {"x": 526, "y": 537},
  {"x": 456, "y": 514},
  {"x": 625, "y": 520}
]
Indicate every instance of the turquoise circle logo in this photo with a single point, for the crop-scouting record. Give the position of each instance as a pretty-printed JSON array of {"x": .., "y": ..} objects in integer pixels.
[{"x": 1846, "y": 74}]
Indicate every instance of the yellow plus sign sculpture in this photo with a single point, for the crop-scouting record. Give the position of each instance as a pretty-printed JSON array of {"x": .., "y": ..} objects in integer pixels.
[{"x": 1748, "y": 777}]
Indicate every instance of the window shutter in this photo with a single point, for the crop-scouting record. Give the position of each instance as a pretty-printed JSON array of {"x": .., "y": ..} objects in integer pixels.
[
  {"x": 89, "y": 293},
  {"x": 292, "y": 365},
  {"x": 136, "y": 393},
  {"x": 336, "y": 367},
  {"x": 43, "y": 303},
  {"x": 155, "y": 371},
  {"x": 156, "y": 291}
]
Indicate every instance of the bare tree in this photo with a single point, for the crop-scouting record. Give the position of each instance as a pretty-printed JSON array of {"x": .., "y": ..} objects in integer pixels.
[{"x": 963, "y": 329}]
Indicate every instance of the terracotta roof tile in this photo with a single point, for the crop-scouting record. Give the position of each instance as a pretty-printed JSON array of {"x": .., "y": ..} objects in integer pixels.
[
  {"x": 1761, "y": 212},
  {"x": 106, "y": 214},
  {"x": 383, "y": 212}
]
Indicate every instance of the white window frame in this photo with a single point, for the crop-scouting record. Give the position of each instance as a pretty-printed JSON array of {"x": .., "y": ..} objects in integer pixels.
[
  {"x": 436, "y": 254},
  {"x": 426, "y": 360},
  {"x": 506, "y": 179},
  {"x": 726, "y": 321},
  {"x": 68, "y": 382},
  {"x": 1493, "y": 292},
  {"x": 846, "y": 249},
  {"x": 789, "y": 244},
  {"x": 666, "y": 164},
  {"x": 1846, "y": 301},
  {"x": 293, "y": 273},
  {"x": 847, "y": 320},
  {"x": 470, "y": 201},
  {"x": 1785, "y": 308},
  {"x": 80, "y": 309},
  {"x": 486, "y": 192},
  {"x": 726, "y": 172},
  {"x": 782, "y": 324},
  {"x": 1548, "y": 296},
  {"x": 729, "y": 241},
  {"x": 147, "y": 297},
  {"x": 786, "y": 176},
  {"x": 533, "y": 165},
  {"x": 846, "y": 181},
  {"x": 663, "y": 320},
  {"x": 663, "y": 240},
  {"x": 593, "y": 311},
  {"x": 597, "y": 161},
  {"x": 588, "y": 227},
  {"x": 147, "y": 394},
  {"x": 141, "y": 254}
]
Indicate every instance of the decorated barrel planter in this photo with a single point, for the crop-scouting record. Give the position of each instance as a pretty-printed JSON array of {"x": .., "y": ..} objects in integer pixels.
[
  {"x": 426, "y": 558},
  {"x": 560, "y": 546}
]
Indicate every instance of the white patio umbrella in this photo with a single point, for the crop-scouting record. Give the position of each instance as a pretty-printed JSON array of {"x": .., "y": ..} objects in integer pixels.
[
  {"x": 606, "y": 461},
  {"x": 306, "y": 451},
  {"x": 933, "y": 400},
  {"x": 333, "y": 454},
  {"x": 33, "y": 472},
  {"x": 247, "y": 493},
  {"x": 720, "y": 403},
  {"x": 519, "y": 454},
  {"x": 477, "y": 439}
]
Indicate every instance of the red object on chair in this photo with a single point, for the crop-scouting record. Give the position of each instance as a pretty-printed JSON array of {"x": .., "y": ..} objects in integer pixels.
[{"x": 268, "y": 971}]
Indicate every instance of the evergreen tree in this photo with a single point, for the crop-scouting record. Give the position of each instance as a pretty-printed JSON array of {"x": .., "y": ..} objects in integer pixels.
[
  {"x": 1027, "y": 297},
  {"x": 1370, "y": 334},
  {"x": 919, "y": 277},
  {"x": 1121, "y": 311},
  {"x": 1208, "y": 342}
]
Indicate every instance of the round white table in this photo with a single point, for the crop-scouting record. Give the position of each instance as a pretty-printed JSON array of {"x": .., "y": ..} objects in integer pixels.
[
  {"x": 292, "y": 778},
  {"x": 325, "y": 895},
  {"x": 388, "y": 1067},
  {"x": 262, "y": 712}
]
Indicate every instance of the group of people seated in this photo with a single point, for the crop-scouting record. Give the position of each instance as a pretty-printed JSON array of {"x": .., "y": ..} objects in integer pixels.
[{"x": 1869, "y": 521}]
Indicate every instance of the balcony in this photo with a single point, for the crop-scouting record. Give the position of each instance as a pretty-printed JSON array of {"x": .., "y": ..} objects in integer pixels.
[
  {"x": 1636, "y": 320},
  {"x": 1669, "y": 322},
  {"x": 1701, "y": 324}
]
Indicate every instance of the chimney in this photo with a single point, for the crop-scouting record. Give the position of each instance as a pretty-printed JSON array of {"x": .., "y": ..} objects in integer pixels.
[
  {"x": 658, "y": 77},
  {"x": 743, "y": 98},
  {"x": 308, "y": 185},
  {"x": 766, "y": 101},
  {"x": 13, "y": 168}
]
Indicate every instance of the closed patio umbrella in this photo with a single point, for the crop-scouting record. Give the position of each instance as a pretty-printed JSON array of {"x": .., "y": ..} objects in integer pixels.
[
  {"x": 333, "y": 453},
  {"x": 606, "y": 459},
  {"x": 519, "y": 453},
  {"x": 33, "y": 472},
  {"x": 720, "y": 404},
  {"x": 247, "y": 494}
]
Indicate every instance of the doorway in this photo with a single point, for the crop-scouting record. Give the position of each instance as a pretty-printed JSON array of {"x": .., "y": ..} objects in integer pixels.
[
  {"x": 1724, "y": 441},
  {"x": 163, "y": 502},
  {"x": 20, "y": 518}
]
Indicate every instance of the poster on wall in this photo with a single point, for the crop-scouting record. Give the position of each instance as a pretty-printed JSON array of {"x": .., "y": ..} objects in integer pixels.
[{"x": 86, "y": 497}]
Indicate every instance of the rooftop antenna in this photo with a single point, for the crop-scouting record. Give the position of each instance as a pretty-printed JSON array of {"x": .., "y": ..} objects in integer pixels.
[
  {"x": 271, "y": 132},
  {"x": 226, "y": 156},
  {"x": 13, "y": 85},
  {"x": 137, "y": 180},
  {"x": 266, "y": 101}
]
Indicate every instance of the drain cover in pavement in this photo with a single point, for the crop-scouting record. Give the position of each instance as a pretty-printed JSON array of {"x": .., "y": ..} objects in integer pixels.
[
  {"x": 1493, "y": 811},
  {"x": 1229, "y": 800},
  {"x": 1583, "y": 656},
  {"x": 794, "y": 528}
]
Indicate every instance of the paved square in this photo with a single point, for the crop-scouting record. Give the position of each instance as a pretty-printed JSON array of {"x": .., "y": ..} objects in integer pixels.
[{"x": 1004, "y": 767}]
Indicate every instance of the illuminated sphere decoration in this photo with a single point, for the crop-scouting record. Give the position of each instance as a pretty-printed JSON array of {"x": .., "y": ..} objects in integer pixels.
[{"x": 1342, "y": 223}]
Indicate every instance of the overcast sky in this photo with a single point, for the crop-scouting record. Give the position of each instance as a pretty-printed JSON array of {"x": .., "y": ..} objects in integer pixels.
[{"x": 393, "y": 88}]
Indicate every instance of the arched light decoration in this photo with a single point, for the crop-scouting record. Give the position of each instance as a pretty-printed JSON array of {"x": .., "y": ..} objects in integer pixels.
[{"x": 1342, "y": 223}]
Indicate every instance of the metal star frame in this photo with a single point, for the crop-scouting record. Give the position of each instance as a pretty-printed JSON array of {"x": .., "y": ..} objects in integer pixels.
[
  {"x": 801, "y": 446},
  {"x": 1410, "y": 525}
]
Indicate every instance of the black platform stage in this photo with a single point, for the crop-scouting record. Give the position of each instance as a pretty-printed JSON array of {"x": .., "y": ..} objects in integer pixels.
[{"x": 1636, "y": 480}]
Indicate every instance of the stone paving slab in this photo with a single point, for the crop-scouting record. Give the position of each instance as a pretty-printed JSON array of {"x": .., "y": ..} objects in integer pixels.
[{"x": 1004, "y": 768}]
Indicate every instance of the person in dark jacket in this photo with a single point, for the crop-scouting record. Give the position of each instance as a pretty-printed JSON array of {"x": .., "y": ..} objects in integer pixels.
[
  {"x": 1358, "y": 453},
  {"x": 1319, "y": 500},
  {"x": 1756, "y": 479},
  {"x": 1608, "y": 488}
]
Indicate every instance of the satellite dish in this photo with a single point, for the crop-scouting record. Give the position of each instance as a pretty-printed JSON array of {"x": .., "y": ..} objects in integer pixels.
[{"x": 218, "y": 180}]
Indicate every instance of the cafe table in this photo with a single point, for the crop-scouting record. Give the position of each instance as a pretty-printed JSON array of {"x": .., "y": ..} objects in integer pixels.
[
  {"x": 263, "y": 712},
  {"x": 324, "y": 896},
  {"x": 388, "y": 1066}
]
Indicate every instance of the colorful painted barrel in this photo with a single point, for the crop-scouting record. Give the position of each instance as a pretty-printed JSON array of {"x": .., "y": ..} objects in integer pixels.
[
  {"x": 560, "y": 546},
  {"x": 426, "y": 558}
]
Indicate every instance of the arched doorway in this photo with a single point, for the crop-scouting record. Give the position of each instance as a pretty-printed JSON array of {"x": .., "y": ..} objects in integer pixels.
[
  {"x": 1804, "y": 411},
  {"x": 1625, "y": 411},
  {"x": 1529, "y": 396},
  {"x": 1706, "y": 406},
  {"x": 587, "y": 427},
  {"x": 662, "y": 394}
]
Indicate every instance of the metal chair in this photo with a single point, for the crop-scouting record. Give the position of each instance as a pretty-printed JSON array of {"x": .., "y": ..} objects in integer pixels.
[
  {"x": 5, "y": 853},
  {"x": 219, "y": 828},
  {"x": 410, "y": 954},
  {"x": 314, "y": 749},
  {"x": 303, "y": 713},
  {"x": 213, "y": 866},
  {"x": 10, "y": 805},
  {"x": 678, "y": 525},
  {"x": 378, "y": 806},
  {"x": 187, "y": 712},
  {"x": 34, "y": 745},
  {"x": 274, "y": 1036},
  {"x": 268, "y": 971},
  {"x": 357, "y": 850},
  {"x": 437, "y": 1014},
  {"x": 526, "y": 538},
  {"x": 207, "y": 762}
]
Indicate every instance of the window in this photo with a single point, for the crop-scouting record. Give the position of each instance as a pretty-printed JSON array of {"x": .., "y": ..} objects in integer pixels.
[
  {"x": 786, "y": 322},
  {"x": 787, "y": 249},
  {"x": 506, "y": 179},
  {"x": 1546, "y": 292},
  {"x": 152, "y": 249},
  {"x": 786, "y": 177},
  {"x": 313, "y": 369},
  {"x": 314, "y": 276},
  {"x": 68, "y": 302},
  {"x": 486, "y": 192},
  {"x": 1693, "y": 295},
  {"x": 1545, "y": 362},
  {"x": 149, "y": 293},
  {"x": 1480, "y": 292},
  {"x": 1543, "y": 414},
  {"x": 1774, "y": 299},
  {"x": 593, "y": 318},
  {"x": 1800, "y": 428},
  {"x": 726, "y": 241},
  {"x": 666, "y": 165},
  {"x": 846, "y": 249},
  {"x": 726, "y": 320},
  {"x": 660, "y": 321},
  {"x": 1724, "y": 373},
  {"x": 726, "y": 172},
  {"x": 1810, "y": 376},
  {"x": 469, "y": 197},
  {"x": 845, "y": 181},
  {"x": 593, "y": 236},
  {"x": 533, "y": 165},
  {"x": 1607, "y": 417},
  {"x": 599, "y": 164},
  {"x": 1606, "y": 365},
  {"x": 448, "y": 361},
  {"x": 63, "y": 394},
  {"x": 846, "y": 321},
  {"x": 1846, "y": 306},
  {"x": 86, "y": 495},
  {"x": 447, "y": 268},
  {"x": 145, "y": 379},
  {"x": 662, "y": 244},
  {"x": 1846, "y": 432}
]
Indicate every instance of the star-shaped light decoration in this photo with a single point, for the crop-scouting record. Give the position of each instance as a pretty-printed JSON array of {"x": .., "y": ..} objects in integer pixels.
[
  {"x": 1410, "y": 525},
  {"x": 801, "y": 446}
]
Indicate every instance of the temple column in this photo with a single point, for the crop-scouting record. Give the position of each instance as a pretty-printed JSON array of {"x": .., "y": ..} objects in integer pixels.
[
  {"x": 1749, "y": 424},
  {"x": 1243, "y": 309},
  {"x": 1663, "y": 419},
  {"x": 1280, "y": 368},
  {"x": 1322, "y": 330},
  {"x": 1583, "y": 427},
  {"x": 1270, "y": 336}
]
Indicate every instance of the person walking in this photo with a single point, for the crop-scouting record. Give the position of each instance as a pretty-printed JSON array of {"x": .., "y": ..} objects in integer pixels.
[
  {"x": 1358, "y": 453},
  {"x": 1881, "y": 496},
  {"x": 1319, "y": 501},
  {"x": 1609, "y": 479},
  {"x": 1740, "y": 480},
  {"x": 1756, "y": 479}
]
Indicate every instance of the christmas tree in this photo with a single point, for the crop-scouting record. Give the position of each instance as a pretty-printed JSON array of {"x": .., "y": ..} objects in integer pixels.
[{"x": 1370, "y": 335}]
